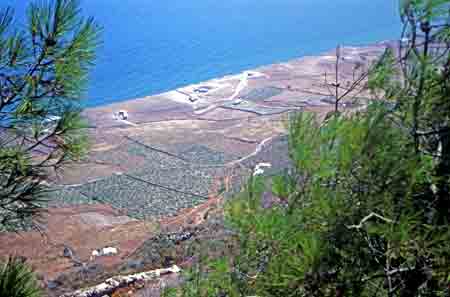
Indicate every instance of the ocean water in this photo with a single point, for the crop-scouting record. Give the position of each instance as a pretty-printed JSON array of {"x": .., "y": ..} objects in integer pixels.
[{"x": 152, "y": 46}]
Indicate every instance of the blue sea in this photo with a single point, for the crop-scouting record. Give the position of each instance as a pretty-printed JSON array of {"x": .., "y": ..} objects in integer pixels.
[{"x": 152, "y": 46}]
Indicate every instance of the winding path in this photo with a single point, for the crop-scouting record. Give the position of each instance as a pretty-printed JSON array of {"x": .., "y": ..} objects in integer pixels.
[{"x": 241, "y": 86}]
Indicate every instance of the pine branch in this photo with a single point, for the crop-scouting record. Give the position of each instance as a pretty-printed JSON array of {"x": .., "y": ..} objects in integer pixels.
[{"x": 367, "y": 218}]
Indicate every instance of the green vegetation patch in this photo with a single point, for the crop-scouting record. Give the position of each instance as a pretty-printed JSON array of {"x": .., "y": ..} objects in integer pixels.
[{"x": 261, "y": 94}]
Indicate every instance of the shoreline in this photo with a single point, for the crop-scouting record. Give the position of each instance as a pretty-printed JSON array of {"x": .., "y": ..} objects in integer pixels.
[
  {"x": 214, "y": 123},
  {"x": 293, "y": 85},
  {"x": 324, "y": 55},
  {"x": 176, "y": 154}
]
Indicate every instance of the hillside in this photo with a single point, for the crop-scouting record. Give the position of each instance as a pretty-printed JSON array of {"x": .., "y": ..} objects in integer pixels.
[{"x": 165, "y": 168}]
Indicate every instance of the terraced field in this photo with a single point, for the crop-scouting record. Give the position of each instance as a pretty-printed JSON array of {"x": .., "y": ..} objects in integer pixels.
[
  {"x": 160, "y": 186},
  {"x": 175, "y": 151},
  {"x": 178, "y": 148}
]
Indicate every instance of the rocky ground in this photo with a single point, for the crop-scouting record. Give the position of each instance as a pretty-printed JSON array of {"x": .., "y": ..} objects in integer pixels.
[{"x": 150, "y": 181}]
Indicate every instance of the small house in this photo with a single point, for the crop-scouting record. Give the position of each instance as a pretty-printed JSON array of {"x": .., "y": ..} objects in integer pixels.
[{"x": 121, "y": 115}]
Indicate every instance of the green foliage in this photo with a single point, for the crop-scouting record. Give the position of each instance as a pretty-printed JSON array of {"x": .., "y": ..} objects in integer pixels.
[
  {"x": 17, "y": 280},
  {"x": 43, "y": 71},
  {"x": 283, "y": 185},
  {"x": 218, "y": 282},
  {"x": 351, "y": 223},
  {"x": 383, "y": 74},
  {"x": 366, "y": 210}
]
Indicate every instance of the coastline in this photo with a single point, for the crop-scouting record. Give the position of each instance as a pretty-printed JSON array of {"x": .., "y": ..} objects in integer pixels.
[
  {"x": 325, "y": 55},
  {"x": 303, "y": 73},
  {"x": 177, "y": 152},
  {"x": 191, "y": 137}
]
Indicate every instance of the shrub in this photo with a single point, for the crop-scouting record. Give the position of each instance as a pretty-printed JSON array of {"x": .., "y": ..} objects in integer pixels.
[
  {"x": 17, "y": 280},
  {"x": 366, "y": 210}
]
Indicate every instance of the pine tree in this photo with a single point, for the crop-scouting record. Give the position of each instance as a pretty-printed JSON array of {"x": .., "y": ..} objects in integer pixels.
[
  {"x": 366, "y": 210},
  {"x": 43, "y": 71},
  {"x": 17, "y": 280}
]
